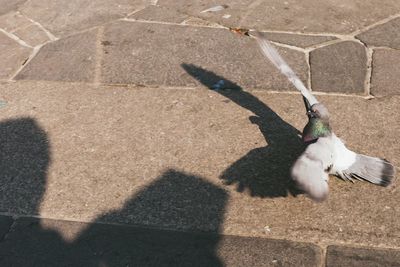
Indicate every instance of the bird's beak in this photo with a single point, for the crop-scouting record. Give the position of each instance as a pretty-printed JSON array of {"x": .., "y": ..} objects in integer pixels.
[
  {"x": 307, "y": 104},
  {"x": 310, "y": 113}
]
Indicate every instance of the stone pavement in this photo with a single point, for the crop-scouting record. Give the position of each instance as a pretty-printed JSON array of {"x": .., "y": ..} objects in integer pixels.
[{"x": 115, "y": 152}]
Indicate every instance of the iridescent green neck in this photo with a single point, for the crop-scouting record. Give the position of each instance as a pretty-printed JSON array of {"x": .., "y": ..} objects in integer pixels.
[{"x": 316, "y": 128}]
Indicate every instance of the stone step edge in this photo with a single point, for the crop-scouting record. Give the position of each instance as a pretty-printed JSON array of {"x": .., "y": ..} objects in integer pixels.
[{"x": 330, "y": 254}]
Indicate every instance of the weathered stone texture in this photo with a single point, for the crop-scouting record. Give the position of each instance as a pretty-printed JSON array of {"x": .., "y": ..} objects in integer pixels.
[{"x": 340, "y": 67}]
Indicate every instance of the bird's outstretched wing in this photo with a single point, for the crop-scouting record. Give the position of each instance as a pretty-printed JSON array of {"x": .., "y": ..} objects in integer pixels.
[
  {"x": 272, "y": 54},
  {"x": 310, "y": 171},
  {"x": 375, "y": 170}
]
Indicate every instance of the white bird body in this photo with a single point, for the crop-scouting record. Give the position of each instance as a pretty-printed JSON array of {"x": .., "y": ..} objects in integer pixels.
[
  {"x": 343, "y": 157},
  {"x": 328, "y": 155}
]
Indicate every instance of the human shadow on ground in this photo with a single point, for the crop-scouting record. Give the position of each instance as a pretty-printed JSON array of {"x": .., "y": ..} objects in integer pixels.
[
  {"x": 174, "y": 200},
  {"x": 264, "y": 171},
  {"x": 24, "y": 160}
]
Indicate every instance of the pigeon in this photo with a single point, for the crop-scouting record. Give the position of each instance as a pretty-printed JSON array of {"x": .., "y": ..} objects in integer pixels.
[{"x": 325, "y": 154}]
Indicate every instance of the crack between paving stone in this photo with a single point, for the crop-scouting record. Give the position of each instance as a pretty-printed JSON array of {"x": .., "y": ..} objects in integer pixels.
[
  {"x": 321, "y": 244},
  {"x": 368, "y": 76},
  {"x": 168, "y": 23},
  {"x": 48, "y": 33},
  {"x": 88, "y": 29},
  {"x": 197, "y": 17},
  {"x": 320, "y": 34},
  {"x": 331, "y": 42},
  {"x": 311, "y": 34},
  {"x": 356, "y": 245},
  {"x": 340, "y": 38},
  {"x": 348, "y": 36},
  {"x": 373, "y": 25},
  {"x": 15, "y": 38},
  {"x": 267, "y": 91},
  {"x": 324, "y": 249},
  {"x": 353, "y": 243},
  {"x": 304, "y": 50},
  {"x": 12, "y": 226},
  {"x": 81, "y": 31},
  {"x": 99, "y": 55},
  {"x": 187, "y": 22},
  {"x": 292, "y": 47},
  {"x": 309, "y": 70},
  {"x": 132, "y": 86},
  {"x": 34, "y": 52},
  {"x": 383, "y": 48},
  {"x": 26, "y": 26},
  {"x": 20, "y": 28},
  {"x": 314, "y": 93},
  {"x": 311, "y": 47},
  {"x": 135, "y": 11},
  {"x": 143, "y": 226},
  {"x": 219, "y": 26}
]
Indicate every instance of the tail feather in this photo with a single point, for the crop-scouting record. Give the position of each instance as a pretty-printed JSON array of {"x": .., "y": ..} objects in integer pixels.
[{"x": 375, "y": 170}]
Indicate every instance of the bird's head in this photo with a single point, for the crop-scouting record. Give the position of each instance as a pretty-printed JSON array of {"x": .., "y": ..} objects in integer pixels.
[
  {"x": 318, "y": 111},
  {"x": 318, "y": 123}
]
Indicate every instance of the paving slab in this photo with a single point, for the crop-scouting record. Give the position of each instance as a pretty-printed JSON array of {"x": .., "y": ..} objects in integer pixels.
[
  {"x": 5, "y": 225},
  {"x": 193, "y": 21},
  {"x": 267, "y": 252},
  {"x": 68, "y": 59},
  {"x": 299, "y": 40},
  {"x": 63, "y": 18},
  {"x": 33, "y": 242},
  {"x": 8, "y": 6},
  {"x": 361, "y": 257},
  {"x": 340, "y": 67},
  {"x": 338, "y": 16},
  {"x": 13, "y": 20},
  {"x": 385, "y": 76},
  {"x": 158, "y": 13},
  {"x": 150, "y": 54},
  {"x": 215, "y": 154},
  {"x": 386, "y": 35},
  {"x": 32, "y": 35},
  {"x": 13, "y": 56}
]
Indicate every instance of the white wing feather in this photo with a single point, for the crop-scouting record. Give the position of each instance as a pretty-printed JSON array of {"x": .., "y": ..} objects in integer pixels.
[
  {"x": 310, "y": 171},
  {"x": 270, "y": 52}
]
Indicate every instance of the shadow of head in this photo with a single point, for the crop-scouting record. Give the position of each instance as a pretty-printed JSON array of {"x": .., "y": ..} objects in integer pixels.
[
  {"x": 209, "y": 78},
  {"x": 264, "y": 171},
  {"x": 24, "y": 159}
]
